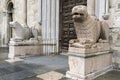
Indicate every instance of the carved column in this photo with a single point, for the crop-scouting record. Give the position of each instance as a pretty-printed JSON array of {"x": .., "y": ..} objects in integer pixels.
[
  {"x": 91, "y": 7},
  {"x": 25, "y": 11}
]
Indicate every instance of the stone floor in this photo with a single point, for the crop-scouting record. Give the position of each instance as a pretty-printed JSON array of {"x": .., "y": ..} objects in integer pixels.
[{"x": 41, "y": 68}]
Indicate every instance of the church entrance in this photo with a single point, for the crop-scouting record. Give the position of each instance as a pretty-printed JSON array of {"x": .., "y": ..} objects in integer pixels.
[{"x": 67, "y": 31}]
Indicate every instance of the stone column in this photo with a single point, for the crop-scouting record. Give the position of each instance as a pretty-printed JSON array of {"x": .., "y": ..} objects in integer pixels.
[
  {"x": 40, "y": 10},
  {"x": 107, "y": 7},
  {"x": 5, "y": 30},
  {"x": 25, "y": 11},
  {"x": 44, "y": 24},
  {"x": 57, "y": 25},
  {"x": 50, "y": 26},
  {"x": 101, "y": 9},
  {"x": 91, "y": 7}
]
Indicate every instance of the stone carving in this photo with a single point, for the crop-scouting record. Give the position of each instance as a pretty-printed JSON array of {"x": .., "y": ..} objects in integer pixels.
[
  {"x": 23, "y": 33},
  {"x": 90, "y": 31},
  {"x": 26, "y": 41},
  {"x": 90, "y": 49}
]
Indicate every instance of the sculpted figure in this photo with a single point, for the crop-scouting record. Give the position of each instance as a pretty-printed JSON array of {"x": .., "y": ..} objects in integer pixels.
[
  {"x": 88, "y": 28},
  {"x": 23, "y": 33}
]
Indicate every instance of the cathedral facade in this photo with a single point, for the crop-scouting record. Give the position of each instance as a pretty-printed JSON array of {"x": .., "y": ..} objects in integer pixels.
[{"x": 54, "y": 19}]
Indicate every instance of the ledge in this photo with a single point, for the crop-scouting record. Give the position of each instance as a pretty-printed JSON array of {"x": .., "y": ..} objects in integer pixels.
[{"x": 83, "y": 55}]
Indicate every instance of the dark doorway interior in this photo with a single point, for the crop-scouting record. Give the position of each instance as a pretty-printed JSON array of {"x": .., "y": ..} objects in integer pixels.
[{"x": 67, "y": 31}]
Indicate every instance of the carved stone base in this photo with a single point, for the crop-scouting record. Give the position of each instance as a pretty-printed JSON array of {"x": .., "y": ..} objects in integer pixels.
[
  {"x": 17, "y": 49},
  {"x": 88, "y": 67},
  {"x": 100, "y": 47}
]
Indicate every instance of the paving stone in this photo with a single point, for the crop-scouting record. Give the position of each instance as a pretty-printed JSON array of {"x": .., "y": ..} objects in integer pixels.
[
  {"x": 50, "y": 61},
  {"x": 14, "y": 60},
  {"x": 52, "y": 75},
  {"x": 112, "y": 75},
  {"x": 17, "y": 63},
  {"x": 63, "y": 70},
  {"x": 29, "y": 66},
  {"x": 18, "y": 75},
  {"x": 3, "y": 55},
  {"x": 5, "y": 65},
  {"x": 14, "y": 69},
  {"x": 66, "y": 78},
  {"x": 4, "y": 71},
  {"x": 41, "y": 70},
  {"x": 33, "y": 78},
  {"x": 3, "y": 62}
]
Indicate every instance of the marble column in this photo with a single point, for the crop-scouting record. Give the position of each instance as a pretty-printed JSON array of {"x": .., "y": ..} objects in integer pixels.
[
  {"x": 57, "y": 25},
  {"x": 102, "y": 9},
  {"x": 107, "y": 7},
  {"x": 44, "y": 19},
  {"x": 40, "y": 10},
  {"x": 25, "y": 12},
  {"x": 91, "y": 7},
  {"x": 5, "y": 30},
  {"x": 50, "y": 26}
]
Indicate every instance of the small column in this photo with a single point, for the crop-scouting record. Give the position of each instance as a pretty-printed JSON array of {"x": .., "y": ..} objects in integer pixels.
[
  {"x": 5, "y": 30},
  {"x": 25, "y": 11},
  {"x": 44, "y": 24},
  {"x": 57, "y": 26},
  {"x": 40, "y": 10},
  {"x": 91, "y": 7},
  {"x": 107, "y": 7}
]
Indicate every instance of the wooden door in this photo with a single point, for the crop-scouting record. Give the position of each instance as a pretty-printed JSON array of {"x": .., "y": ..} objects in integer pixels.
[{"x": 67, "y": 30}]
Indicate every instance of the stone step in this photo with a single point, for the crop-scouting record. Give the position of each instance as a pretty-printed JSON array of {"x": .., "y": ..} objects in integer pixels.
[{"x": 4, "y": 49}]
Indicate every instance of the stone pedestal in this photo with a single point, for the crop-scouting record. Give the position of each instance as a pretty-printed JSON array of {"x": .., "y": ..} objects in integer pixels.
[
  {"x": 100, "y": 48},
  {"x": 89, "y": 66},
  {"x": 17, "y": 49}
]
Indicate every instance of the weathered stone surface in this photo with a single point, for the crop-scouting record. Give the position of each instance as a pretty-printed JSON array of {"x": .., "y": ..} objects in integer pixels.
[
  {"x": 100, "y": 47},
  {"x": 19, "y": 12},
  {"x": 14, "y": 60},
  {"x": 89, "y": 55},
  {"x": 26, "y": 50},
  {"x": 27, "y": 41},
  {"x": 18, "y": 75},
  {"x": 23, "y": 32},
  {"x": 52, "y": 75},
  {"x": 91, "y": 33},
  {"x": 90, "y": 67}
]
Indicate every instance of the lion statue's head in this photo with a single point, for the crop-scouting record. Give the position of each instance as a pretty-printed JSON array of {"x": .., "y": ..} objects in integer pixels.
[{"x": 79, "y": 13}]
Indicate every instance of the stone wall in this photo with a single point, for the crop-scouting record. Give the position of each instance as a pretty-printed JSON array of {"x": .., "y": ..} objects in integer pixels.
[
  {"x": 18, "y": 15},
  {"x": 32, "y": 12},
  {"x": 115, "y": 29}
]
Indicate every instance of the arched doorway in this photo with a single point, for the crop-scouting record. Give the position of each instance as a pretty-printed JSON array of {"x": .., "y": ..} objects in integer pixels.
[
  {"x": 67, "y": 31},
  {"x": 9, "y": 18}
]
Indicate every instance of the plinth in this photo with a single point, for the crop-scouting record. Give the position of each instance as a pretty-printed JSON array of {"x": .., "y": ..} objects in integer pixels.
[
  {"x": 88, "y": 66},
  {"x": 17, "y": 49}
]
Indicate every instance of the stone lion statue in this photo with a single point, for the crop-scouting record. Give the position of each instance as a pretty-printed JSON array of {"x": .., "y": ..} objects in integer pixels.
[
  {"x": 23, "y": 32},
  {"x": 88, "y": 28}
]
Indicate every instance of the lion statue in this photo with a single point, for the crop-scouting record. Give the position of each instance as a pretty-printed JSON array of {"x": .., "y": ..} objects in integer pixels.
[
  {"x": 88, "y": 28},
  {"x": 23, "y": 32}
]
